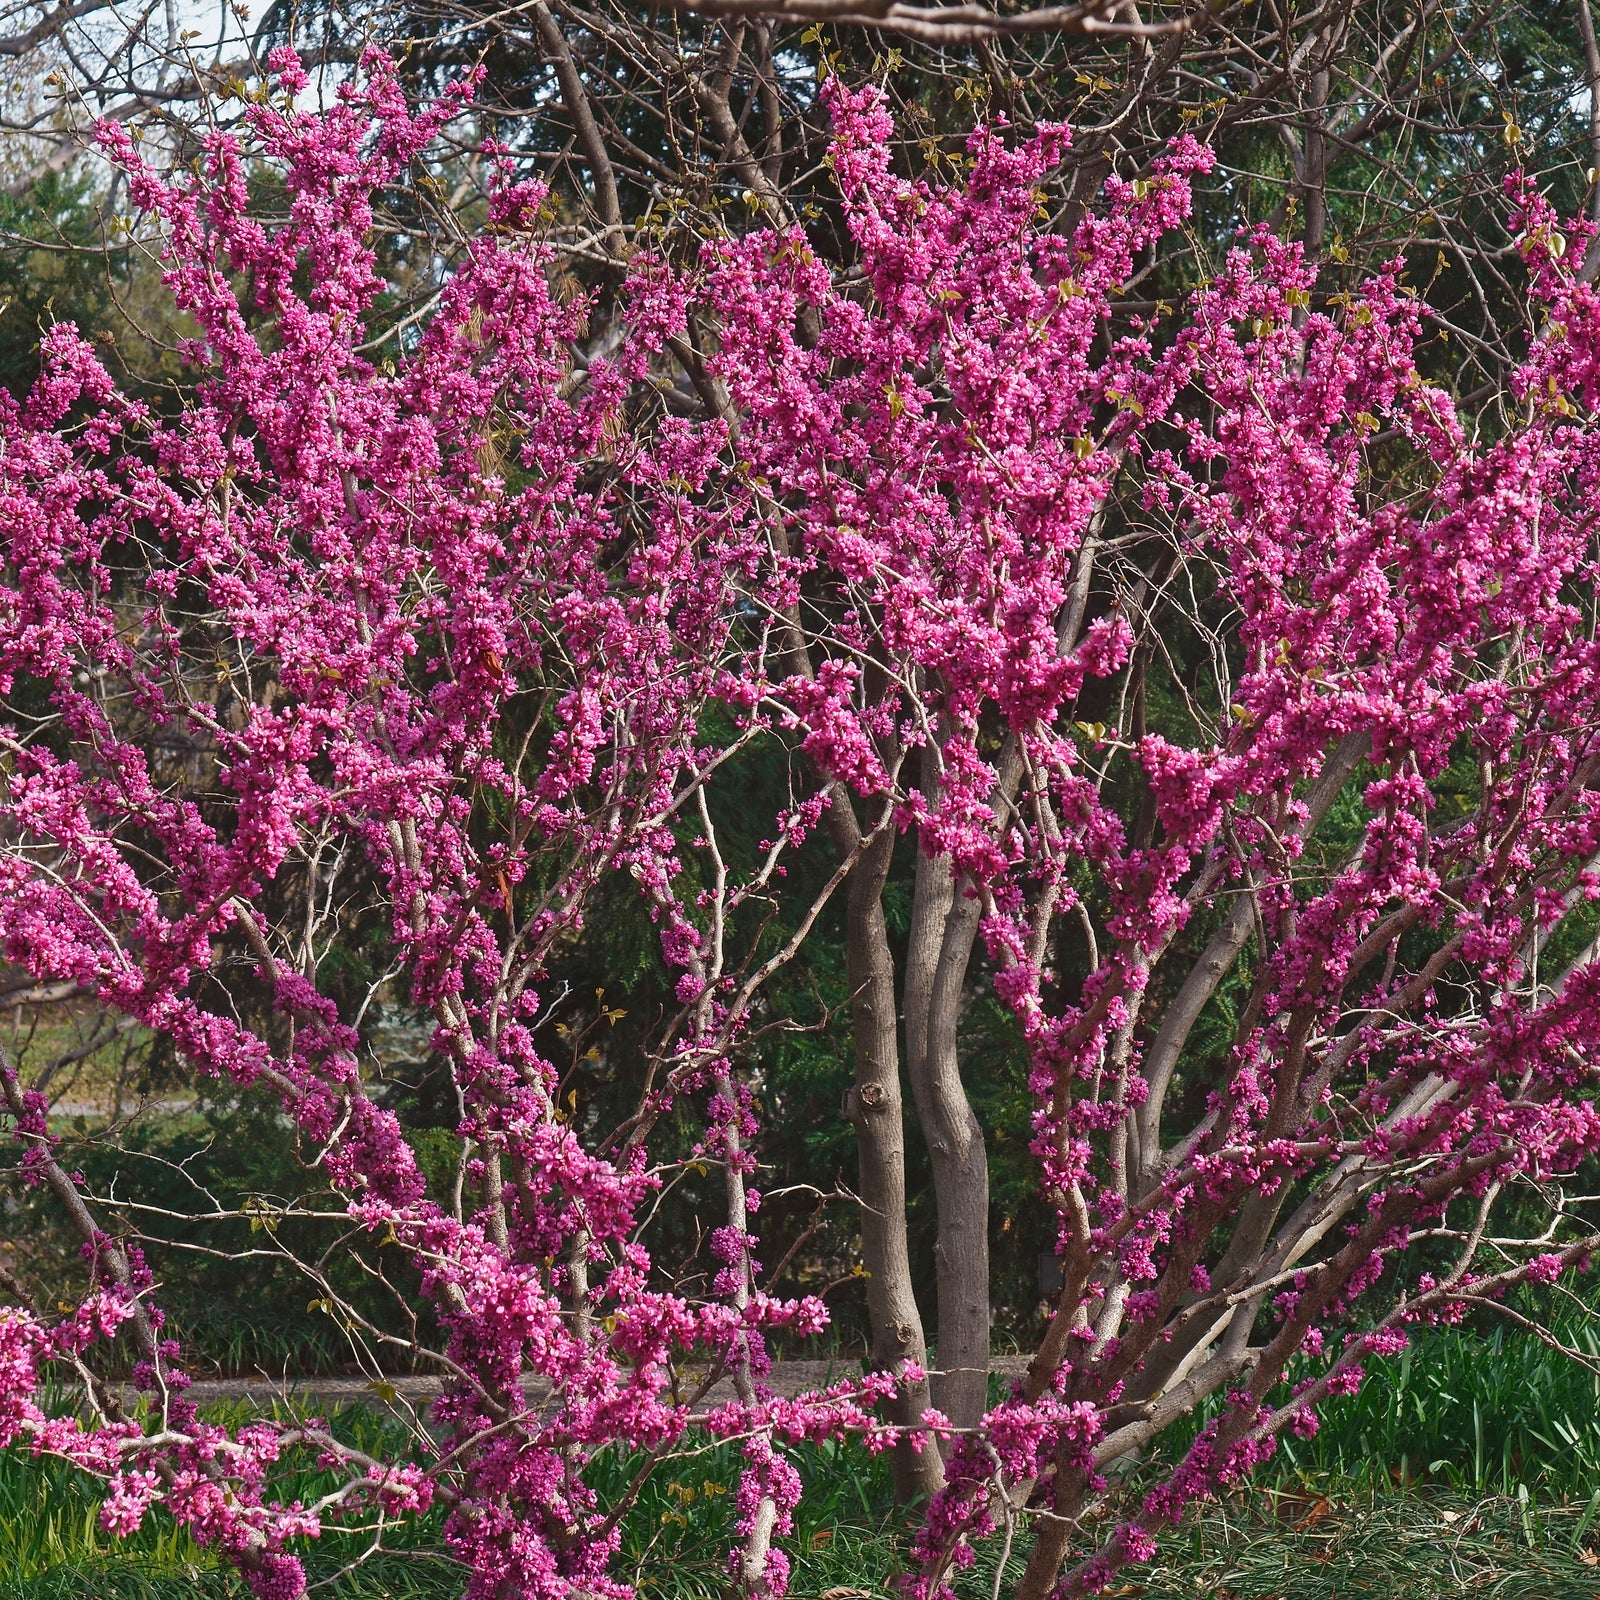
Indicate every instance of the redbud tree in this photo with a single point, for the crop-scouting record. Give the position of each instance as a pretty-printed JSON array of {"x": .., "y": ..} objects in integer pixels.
[{"x": 1225, "y": 651}]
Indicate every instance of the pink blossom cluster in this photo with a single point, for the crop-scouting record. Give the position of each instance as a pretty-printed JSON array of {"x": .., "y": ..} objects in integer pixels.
[
  {"x": 381, "y": 614},
  {"x": 960, "y": 459},
  {"x": 355, "y": 584}
]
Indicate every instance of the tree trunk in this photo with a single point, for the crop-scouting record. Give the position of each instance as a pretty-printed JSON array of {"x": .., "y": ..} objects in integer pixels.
[
  {"x": 874, "y": 1105},
  {"x": 943, "y": 925}
]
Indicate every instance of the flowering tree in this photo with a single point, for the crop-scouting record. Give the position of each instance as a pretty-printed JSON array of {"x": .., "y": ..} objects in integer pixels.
[
  {"x": 480, "y": 690},
  {"x": 1227, "y": 653},
  {"x": 1385, "y": 791}
]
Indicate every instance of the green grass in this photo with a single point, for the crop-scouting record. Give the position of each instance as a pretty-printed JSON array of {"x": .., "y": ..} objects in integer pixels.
[
  {"x": 1266, "y": 1546},
  {"x": 1469, "y": 1465},
  {"x": 675, "y": 1543},
  {"x": 398, "y": 1575},
  {"x": 1390, "y": 1546},
  {"x": 1478, "y": 1412},
  {"x": 1409, "y": 1546},
  {"x": 48, "y": 1513},
  {"x": 52, "y": 1546}
]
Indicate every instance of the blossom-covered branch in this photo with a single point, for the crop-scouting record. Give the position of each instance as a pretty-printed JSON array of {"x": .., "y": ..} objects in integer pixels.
[{"x": 1237, "y": 688}]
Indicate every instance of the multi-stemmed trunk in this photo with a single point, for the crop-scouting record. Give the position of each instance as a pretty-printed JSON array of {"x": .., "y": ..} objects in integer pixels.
[
  {"x": 944, "y": 923},
  {"x": 944, "y": 926},
  {"x": 874, "y": 1105}
]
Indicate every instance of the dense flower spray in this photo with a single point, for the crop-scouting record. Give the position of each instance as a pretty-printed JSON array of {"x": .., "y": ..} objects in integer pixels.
[
  {"x": 1008, "y": 515},
  {"x": 335, "y": 600},
  {"x": 465, "y": 613}
]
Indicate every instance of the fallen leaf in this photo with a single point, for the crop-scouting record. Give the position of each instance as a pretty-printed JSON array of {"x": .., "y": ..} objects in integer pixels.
[{"x": 1320, "y": 1509}]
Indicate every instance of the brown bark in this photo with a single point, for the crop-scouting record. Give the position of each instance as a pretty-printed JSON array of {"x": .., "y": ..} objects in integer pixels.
[
  {"x": 943, "y": 925},
  {"x": 874, "y": 1105}
]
